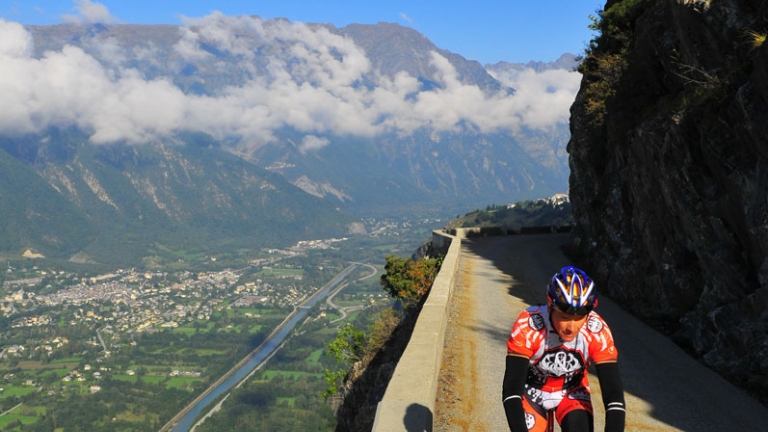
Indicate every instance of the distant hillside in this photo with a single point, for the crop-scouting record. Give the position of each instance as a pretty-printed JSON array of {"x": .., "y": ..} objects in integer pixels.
[
  {"x": 64, "y": 198},
  {"x": 566, "y": 61},
  {"x": 554, "y": 212},
  {"x": 390, "y": 175}
]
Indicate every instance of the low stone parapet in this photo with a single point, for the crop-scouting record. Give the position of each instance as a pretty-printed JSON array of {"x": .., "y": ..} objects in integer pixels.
[{"x": 409, "y": 402}]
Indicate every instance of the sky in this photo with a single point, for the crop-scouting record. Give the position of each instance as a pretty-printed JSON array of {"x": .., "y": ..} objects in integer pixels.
[
  {"x": 488, "y": 31},
  {"x": 311, "y": 87}
]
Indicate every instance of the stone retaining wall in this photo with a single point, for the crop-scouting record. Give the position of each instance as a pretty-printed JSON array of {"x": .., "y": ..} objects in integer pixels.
[{"x": 409, "y": 402}]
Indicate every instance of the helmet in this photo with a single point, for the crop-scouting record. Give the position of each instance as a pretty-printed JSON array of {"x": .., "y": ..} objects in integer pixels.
[{"x": 572, "y": 291}]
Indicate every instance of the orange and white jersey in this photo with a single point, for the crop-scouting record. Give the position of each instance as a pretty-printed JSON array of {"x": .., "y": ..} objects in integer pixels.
[{"x": 558, "y": 365}]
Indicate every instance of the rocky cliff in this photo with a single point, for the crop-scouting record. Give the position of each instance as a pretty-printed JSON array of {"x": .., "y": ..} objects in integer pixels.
[{"x": 669, "y": 178}]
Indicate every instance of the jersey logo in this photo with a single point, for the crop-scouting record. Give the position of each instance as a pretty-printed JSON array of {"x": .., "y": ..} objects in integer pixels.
[
  {"x": 594, "y": 325},
  {"x": 536, "y": 322},
  {"x": 530, "y": 421},
  {"x": 560, "y": 362}
]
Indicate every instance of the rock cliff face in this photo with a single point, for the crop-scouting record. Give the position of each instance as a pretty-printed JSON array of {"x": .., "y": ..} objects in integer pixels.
[{"x": 669, "y": 173}]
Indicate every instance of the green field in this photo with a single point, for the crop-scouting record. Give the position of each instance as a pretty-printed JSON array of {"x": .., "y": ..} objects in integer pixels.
[
  {"x": 279, "y": 272},
  {"x": 153, "y": 379},
  {"x": 182, "y": 383},
  {"x": 60, "y": 373},
  {"x": 314, "y": 358},
  {"x": 7, "y": 419},
  {"x": 16, "y": 390},
  {"x": 269, "y": 374},
  {"x": 40, "y": 366},
  {"x": 203, "y": 351},
  {"x": 286, "y": 400},
  {"x": 67, "y": 360},
  {"x": 189, "y": 330},
  {"x": 128, "y": 378}
]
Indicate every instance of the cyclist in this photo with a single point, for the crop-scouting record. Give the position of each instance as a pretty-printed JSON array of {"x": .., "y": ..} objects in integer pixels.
[{"x": 548, "y": 352}]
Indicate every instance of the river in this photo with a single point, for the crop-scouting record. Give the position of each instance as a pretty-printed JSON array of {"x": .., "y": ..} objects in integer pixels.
[{"x": 257, "y": 356}]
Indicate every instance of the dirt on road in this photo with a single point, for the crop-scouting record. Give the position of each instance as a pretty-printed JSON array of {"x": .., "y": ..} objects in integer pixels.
[{"x": 665, "y": 389}]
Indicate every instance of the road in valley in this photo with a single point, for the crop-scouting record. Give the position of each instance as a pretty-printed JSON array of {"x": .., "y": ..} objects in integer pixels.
[
  {"x": 665, "y": 389},
  {"x": 345, "y": 310}
]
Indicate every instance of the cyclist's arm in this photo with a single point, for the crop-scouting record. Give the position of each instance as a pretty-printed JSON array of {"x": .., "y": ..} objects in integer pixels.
[
  {"x": 613, "y": 395},
  {"x": 512, "y": 391}
]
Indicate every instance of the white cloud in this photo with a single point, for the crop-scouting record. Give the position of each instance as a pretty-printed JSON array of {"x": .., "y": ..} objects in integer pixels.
[
  {"x": 542, "y": 98},
  {"x": 90, "y": 13},
  {"x": 14, "y": 40},
  {"x": 311, "y": 142},
  {"x": 312, "y": 87}
]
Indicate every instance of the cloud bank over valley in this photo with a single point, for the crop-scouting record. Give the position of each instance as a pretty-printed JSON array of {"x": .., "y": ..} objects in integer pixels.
[{"x": 292, "y": 75}]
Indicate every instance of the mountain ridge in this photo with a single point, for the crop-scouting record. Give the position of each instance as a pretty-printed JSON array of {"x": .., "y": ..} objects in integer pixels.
[
  {"x": 373, "y": 119},
  {"x": 132, "y": 199}
]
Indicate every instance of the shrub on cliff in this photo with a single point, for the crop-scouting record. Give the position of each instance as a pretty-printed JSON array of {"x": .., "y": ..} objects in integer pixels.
[{"x": 408, "y": 279}]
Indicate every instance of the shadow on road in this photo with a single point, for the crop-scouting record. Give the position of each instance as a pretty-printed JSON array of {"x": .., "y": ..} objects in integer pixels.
[{"x": 416, "y": 416}]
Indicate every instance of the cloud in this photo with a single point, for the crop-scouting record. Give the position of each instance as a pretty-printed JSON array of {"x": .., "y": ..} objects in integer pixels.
[
  {"x": 90, "y": 13},
  {"x": 311, "y": 142},
  {"x": 14, "y": 40},
  {"x": 405, "y": 17},
  {"x": 312, "y": 81},
  {"x": 542, "y": 98}
]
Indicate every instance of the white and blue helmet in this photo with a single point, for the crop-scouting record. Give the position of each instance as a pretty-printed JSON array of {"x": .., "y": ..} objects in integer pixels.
[{"x": 572, "y": 291}]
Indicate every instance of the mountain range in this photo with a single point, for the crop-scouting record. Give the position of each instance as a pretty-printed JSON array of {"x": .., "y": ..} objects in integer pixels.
[{"x": 229, "y": 131}]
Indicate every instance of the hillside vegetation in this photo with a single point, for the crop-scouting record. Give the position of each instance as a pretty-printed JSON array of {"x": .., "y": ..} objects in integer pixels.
[
  {"x": 148, "y": 205},
  {"x": 554, "y": 212}
]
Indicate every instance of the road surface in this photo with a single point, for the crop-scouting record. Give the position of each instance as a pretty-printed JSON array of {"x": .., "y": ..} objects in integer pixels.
[{"x": 665, "y": 389}]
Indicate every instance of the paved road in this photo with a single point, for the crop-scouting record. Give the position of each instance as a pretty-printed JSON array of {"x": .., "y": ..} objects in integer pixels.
[
  {"x": 665, "y": 389},
  {"x": 345, "y": 310}
]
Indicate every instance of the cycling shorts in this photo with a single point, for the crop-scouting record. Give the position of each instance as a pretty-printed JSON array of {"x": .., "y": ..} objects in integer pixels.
[{"x": 536, "y": 403}]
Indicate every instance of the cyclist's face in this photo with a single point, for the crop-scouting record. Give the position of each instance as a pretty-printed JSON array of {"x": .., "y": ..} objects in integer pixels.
[{"x": 566, "y": 325}]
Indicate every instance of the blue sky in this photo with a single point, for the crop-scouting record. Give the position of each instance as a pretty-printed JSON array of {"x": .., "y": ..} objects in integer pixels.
[{"x": 484, "y": 30}]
